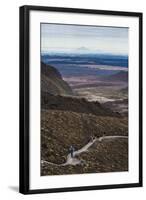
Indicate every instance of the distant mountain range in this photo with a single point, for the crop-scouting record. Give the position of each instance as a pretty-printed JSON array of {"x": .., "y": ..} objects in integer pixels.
[
  {"x": 86, "y": 64},
  {"x": 120, "y": 76},
  {"x": 80, "y": 50},
  {"x": 83, "y": 49}
]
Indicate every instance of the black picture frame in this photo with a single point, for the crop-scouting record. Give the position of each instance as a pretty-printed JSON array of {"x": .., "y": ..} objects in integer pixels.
[{"x": 25, "y": 105}]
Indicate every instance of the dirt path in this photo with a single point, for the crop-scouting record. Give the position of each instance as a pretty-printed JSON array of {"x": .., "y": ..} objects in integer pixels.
[{"x": 74, "y": 160}]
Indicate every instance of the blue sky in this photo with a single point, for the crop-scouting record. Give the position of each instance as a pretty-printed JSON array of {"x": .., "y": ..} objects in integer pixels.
[{"x": 72, "y": 38}]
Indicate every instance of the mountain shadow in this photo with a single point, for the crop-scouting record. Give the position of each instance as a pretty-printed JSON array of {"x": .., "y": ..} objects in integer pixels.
[
  {"x": 52, "y": 82},
  {"x": 56, "y": 94}
]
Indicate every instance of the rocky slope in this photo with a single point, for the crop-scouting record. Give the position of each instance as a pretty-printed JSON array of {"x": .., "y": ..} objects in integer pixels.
[
  {"x": 60, "y": 129},
  {"x": 52, "y": 82},
  {"x": 66, "y": 120},
  {"x": 79, "y": 105}
]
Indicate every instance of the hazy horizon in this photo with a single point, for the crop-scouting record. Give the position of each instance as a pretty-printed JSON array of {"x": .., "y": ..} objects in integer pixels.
[{"x": 60, "y": 38}]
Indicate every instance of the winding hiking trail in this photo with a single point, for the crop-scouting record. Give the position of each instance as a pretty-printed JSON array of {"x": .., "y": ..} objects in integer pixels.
[{"x": 75, "y": 161}]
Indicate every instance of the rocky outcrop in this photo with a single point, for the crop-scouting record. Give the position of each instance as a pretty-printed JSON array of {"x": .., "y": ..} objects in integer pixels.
[{"x": 52, "y": 82}]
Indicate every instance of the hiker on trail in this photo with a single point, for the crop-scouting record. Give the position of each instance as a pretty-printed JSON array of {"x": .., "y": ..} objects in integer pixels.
[
  {"x": 71, "y": 150},
  {"x": 103, "y": 134},
  {"x": 92, "y": 137}
]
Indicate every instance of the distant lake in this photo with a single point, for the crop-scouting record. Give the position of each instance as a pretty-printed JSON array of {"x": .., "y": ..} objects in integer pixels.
[{"x": 87, "y": 64}]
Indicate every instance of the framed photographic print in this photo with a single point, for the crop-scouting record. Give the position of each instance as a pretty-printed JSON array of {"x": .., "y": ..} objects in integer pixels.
[{"x": 80, "y": 99}]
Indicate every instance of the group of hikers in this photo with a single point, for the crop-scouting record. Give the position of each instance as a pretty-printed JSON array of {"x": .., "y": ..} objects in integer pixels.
[{"x": 72, "y": 149}]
